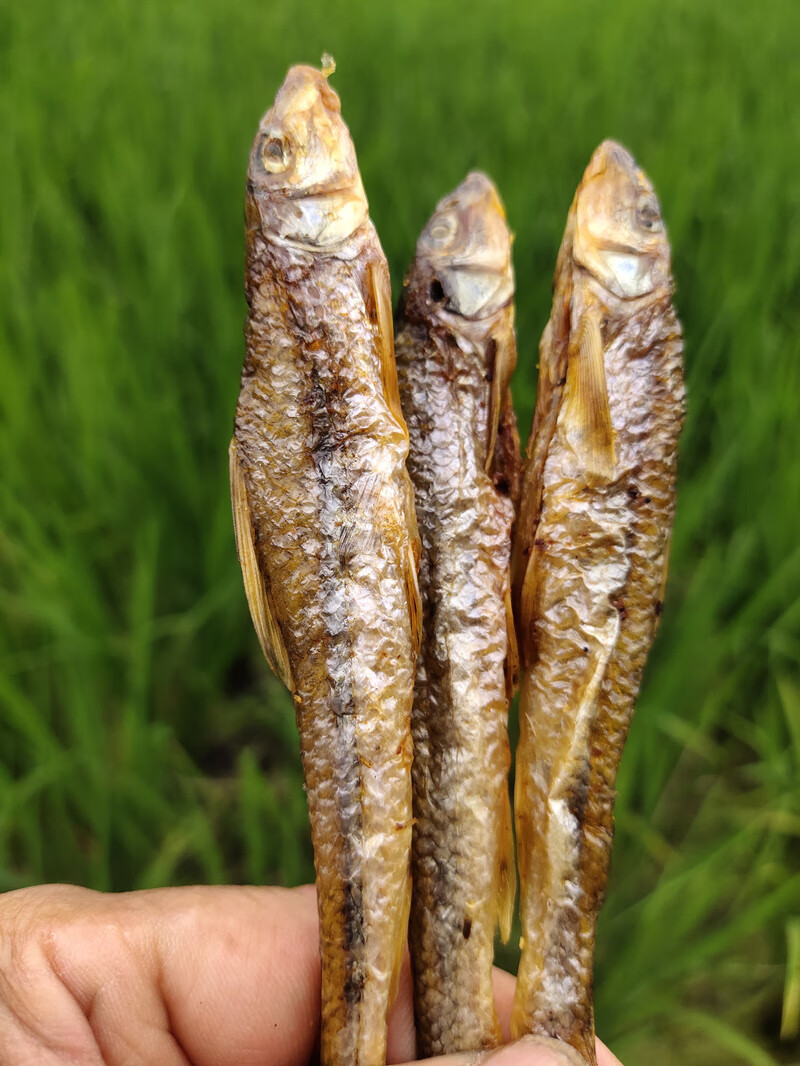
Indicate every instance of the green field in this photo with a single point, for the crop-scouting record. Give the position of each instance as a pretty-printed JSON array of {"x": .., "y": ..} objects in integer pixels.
[{"x": 141, "y": 740}]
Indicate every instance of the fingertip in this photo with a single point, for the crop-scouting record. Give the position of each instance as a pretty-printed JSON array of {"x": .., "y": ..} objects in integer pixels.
[
  {"x": 240, "y": 974},
  {"x": 504, "y": 985},
  {"x": 308, "y": 892},
  {"x": 401, "y": 1036},
  {"x": 535, "y": 1051},
  {"x": 606, "y": 1057},
  {"x": 528, "y": 1051}
]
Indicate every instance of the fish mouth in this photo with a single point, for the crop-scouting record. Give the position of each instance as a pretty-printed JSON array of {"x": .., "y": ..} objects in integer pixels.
[
  {"x": 487, "y": 264},
  {"x": 313, "y": 195},
  {"x": 621, "y": 248},
  {"x": 324, "y": 191},
  {"x": 478, "y": 256},
  {"x": 611, "y": 155}
]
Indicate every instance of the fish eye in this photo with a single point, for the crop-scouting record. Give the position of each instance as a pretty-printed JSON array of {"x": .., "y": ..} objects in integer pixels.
[
  {"x": 275, "y": 154},
  {"x": 648, "y": 216},
  {"x": 443, "y": 229}
]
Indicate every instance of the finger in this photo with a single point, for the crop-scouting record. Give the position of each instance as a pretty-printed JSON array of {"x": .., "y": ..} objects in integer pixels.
[
  {"x": 241, "y": 975},
  {"x": 402, "y": 1037},
  {"x": 605, "y": 1057},
  {"x": 504, "y": 985},
  {"x": 269, "y": 987},
  {"x": 283, "y": 930},
  {"x": 401, "y": 1020},
  {"x": 213, "y": 976},
  {"x": 216, "y": 975},
  {"x": 49, "y": 1011},
  {"x": 529, "y": 1051}
]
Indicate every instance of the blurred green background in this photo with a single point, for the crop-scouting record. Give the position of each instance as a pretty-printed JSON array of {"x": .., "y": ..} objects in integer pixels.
[{"x": 141, "y": 740}]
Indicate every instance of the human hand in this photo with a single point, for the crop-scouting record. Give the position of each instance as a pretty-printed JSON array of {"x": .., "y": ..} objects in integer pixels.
[{"x": 204, "y": 976}]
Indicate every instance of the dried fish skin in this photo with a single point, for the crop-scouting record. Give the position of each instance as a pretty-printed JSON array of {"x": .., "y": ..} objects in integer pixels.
[
  {"x": 455, "y": 353},
  {"x": 589, "y": 571},
  {"x": 327, "y": 538}
]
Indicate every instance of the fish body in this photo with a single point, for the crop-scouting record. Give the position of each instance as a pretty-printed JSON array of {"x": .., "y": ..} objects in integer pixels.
[
  {"x": 455, "y": 352},
  {"x": 326, "y": 537},
  {"x": 589, "y": 568}
]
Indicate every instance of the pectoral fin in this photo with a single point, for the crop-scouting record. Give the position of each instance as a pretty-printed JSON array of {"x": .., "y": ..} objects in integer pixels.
[
  {"x": 662, "y": 588},
  {"x": 506, "y": 468},
  {"x": 506, "y": 870},
  {"x": 378, "y": 301},
  {"x": 587, "y": 418},
  {"x": 256, "y": 590},
  {"x": 527, "y": 609},
  {"x": 512, "y": 652},
  {"x": 414, "y": 600},
  {"x": 505, "y": 359}
]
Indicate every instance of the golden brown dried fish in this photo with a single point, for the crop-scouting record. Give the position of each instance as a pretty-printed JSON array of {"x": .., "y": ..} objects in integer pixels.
[
  {"x": 326, "y": 537},
  {"x": 590, "y": 562},
  {"x": 455, "y": 353}
]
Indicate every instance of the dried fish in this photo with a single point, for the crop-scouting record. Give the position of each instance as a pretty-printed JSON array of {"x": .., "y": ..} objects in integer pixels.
[
  {"x": 590, "y": 563},
  {"x": 455, "y": 353},
  {"x": 327, "y": 540}
]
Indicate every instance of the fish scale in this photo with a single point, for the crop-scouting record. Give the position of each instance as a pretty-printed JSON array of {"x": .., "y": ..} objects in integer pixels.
[
  {"x": 462, "y": 850},
  {"x": 326, "y": 537},
  {"x": 589, "y": 568}
]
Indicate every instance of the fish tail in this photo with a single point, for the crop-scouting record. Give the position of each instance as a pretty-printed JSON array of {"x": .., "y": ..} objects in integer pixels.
[
  {"x": 364, "y": 889},
  {"x": 530, "y": 817},
  {"x": 554, "y": 986},
  {"x": 332, "y": 774}
]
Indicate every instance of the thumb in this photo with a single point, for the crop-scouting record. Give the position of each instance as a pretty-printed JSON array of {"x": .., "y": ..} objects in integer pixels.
[{"x": 529, "y": 1051}]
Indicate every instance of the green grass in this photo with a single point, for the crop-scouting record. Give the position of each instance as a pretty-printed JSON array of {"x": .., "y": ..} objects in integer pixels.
[{"x": 141, "y": 740}]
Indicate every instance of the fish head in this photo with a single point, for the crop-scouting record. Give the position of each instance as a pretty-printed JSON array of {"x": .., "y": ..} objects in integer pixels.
[
  {"x": 619, "y": 235},
  {"x": 303, "y": 183},
  {"x": 465, "y": 250}
]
